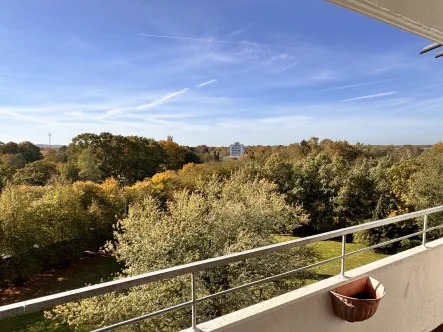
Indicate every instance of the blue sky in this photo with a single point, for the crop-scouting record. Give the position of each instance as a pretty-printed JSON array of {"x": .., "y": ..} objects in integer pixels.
[{"x": 213, "y": 72}]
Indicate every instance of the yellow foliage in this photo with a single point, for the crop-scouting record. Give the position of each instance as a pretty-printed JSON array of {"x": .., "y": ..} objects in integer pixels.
[
  {"x": 438, "y": 147},
  {"x": 139, "y": 189},
  {"x": 190, "y": 167},
  {"x": 165, "y": 176}
]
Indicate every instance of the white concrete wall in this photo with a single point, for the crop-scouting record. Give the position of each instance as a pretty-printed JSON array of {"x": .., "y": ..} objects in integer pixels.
[
  {"x": 422, "y": 17},
  {"x": 414, "y": 300}
]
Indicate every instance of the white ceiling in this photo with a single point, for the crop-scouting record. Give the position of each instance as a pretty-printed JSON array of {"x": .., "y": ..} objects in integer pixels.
[{"x": 422, "y": 17}]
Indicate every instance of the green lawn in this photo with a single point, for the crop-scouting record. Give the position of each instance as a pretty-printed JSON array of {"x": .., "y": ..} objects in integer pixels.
[{"x": 330, "y": 249}]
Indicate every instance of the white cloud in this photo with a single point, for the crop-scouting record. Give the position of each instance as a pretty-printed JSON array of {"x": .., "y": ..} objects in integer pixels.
[
  {"x": 26, "y": 118},
  {"x": 198, "y": 119}
]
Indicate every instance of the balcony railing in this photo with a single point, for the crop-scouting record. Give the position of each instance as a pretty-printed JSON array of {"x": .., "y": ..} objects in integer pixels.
[{"x": 195, "y": 267}]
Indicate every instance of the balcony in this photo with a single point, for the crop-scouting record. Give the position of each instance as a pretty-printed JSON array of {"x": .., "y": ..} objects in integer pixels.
[
  {"x": 412, "y": 280},
  {"x": 413, "y": 300}
]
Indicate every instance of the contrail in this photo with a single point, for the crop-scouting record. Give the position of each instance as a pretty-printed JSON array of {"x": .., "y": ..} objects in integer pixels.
[
  {"x": 145, "y": 106},
  {"x": 288, "y": 67},
  {"x": 201, "y": 85},
  {"x": 243, "y": 43},
  {"x": 369, "y": 96},
  {"x": 352, "y": 86}
]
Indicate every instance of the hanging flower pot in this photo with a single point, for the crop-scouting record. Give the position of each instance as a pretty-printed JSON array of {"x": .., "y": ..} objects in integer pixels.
[{"x": 357, "y": 300}]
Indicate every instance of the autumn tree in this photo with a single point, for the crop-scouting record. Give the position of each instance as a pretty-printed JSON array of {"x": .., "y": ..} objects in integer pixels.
[
  {"x": 61, "y": 154},
  {"x": 29, "y": 151},
  {"x": 127, "y": 159},
  {"x": 177, "y": 156},
  {"x": 393, "y": 184},
  {"x": 10, "y": 148},
  {"x": 37, "y": 173},
  {"x": 87, "y": 165},
  {"x": 357, "y": 198},
  {"x": 218, "y": 218},
  {"x": 312, "y": 193},
  {"x": 15, "y": 161},
  {"x": 41, "y": 227},
  {"x": 408, "y": 152},
  {"x": 279, "y": 172},
  {"x": 427, "y": 182},
  {"x": 427, "y": 185},
  {"x": 11, "y": 163}
]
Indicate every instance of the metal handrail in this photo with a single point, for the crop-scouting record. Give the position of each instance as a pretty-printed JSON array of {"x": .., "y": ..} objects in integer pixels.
[{"x": 194, "y": 267}]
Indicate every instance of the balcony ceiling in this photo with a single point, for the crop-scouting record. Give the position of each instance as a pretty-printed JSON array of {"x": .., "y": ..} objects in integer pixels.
[{"x": 422, "y": 17}]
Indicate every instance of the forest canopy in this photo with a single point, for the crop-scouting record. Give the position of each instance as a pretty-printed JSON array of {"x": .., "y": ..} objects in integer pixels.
[{"x": 155, "y": 204}]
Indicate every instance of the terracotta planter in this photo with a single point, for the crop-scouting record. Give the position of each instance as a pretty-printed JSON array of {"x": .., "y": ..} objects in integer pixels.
[{"x": 357, "y": 300}]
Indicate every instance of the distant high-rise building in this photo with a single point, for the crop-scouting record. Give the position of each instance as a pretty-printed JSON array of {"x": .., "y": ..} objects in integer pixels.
[{"x": 237, "y": 150}]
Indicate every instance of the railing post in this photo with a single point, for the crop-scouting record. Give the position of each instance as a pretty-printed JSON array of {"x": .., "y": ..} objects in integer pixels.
[
  {"x": 194, "y": 303},
  {"x": 343, "y": 252},
  {"x": 425, "y": 226}
]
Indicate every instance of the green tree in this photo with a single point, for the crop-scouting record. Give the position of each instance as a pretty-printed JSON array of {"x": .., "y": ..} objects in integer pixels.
[
  {"x": 311, "y": 191},
  {"x": 357, "y": 198},
  {"x": 87, "y": 166},
  {"x": 216, "y": 219},
  {"x": 393, "y": 182},
  {"x": 127, "y": 159},
  {"x": 69, "y": 172},
  {"x": 37, "y": 173},
  {"x": 400, "y": 176},
  {"x": 9, "y": 167},
  {"x": 427, "y": 182},
  {"x": 29, "y": 151},
  {"x": 279, "y": 172},
  {"x": 15, "y": 161},
  {"x": 10, "y": 148},
  {"x": 62, "y": 156},
  {"x": 427, "y": 185}
]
